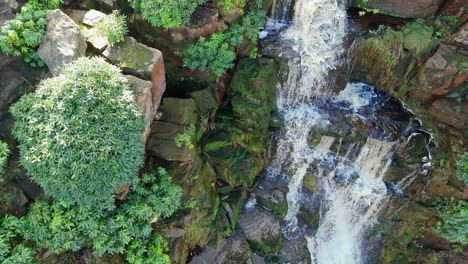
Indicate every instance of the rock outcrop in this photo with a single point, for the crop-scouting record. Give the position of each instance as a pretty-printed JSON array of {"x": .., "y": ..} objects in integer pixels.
[
  {"x": 401, "y": 8},
  {"x": 7, "y": 10},
  {"x": 63, "y": 42}
]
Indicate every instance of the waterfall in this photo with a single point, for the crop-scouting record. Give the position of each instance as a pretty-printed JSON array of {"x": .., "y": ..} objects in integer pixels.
[{"x": 353, "y": 191}]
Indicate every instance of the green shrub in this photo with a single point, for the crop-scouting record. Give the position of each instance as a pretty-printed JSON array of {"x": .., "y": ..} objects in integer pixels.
[
  {"x": 23, "y": 34},
  {"x": 454, "y": 220},
  {"x": 215, "y": 55},
  {"x": 79, "y": 134},
  {"x": 114, "y": 27},
  {"x": 233, "y": 6},
  {"x": 462, "y": 168},
  {"x": 218, "y": 53},
  {"x": 4, "y": 152},
  {"x": 166, "y": 13},
  {"x": 61, "y": 227},
  {"x": 186, "y": 139}
]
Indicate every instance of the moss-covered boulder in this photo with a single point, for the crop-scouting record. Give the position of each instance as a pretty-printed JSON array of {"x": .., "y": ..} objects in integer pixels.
[
  {"x": 261, "y": 228},
  {"x": 253, "y": 89},
  {"x": 385, "y": 60}
]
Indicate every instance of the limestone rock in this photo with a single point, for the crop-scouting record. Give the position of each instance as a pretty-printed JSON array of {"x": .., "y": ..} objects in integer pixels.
[
  {"x": 180, "y": 111},
  {"x": 134, "y": 58},
  {"x": 63, "y": 42},
  {"x": 261, "y": 228},
  {"x": 144, "y": 100},
  {"x": 445, "y": 110},
  {"x": 93, "y": 17},
  {"x": 402, "y": 8}
]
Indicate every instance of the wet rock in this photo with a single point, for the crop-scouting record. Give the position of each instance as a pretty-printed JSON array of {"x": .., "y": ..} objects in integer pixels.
[
  {"x": 261, "y": 228},
  {"x": 7, "y": 10},
  {"x": 106, "y": 5},
  {"x": 441, "y": 74},
  {"x": 180, "y": 111},
  {"x": 144, "y": 100},
  {"x": 270, "y": 192},
  {"x": 402, "y": 8},
  {"x": 63, "y": 42},
  {"x": 449, "y": 112},
  {"x": 134, "y": 58},
  {"x": 232, "y": 251},
  {"x": 161, "y": 142}
]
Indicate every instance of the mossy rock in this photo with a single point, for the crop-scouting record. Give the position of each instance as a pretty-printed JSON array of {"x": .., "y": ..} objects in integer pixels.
[
  {"x": 253, "y": 89},
  {"x": 388, "y": 60},
  {"x": 205, "y": 101},
  {"x": 180, "y": 111},
  {"x": 310, "y": 182}
]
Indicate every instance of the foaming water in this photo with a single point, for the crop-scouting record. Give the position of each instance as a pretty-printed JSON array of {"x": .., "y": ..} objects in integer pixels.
[{"x": 350, "y": 186}]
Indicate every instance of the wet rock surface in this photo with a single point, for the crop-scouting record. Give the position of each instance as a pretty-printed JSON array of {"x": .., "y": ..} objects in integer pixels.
[{"x": 402, "y": 8}]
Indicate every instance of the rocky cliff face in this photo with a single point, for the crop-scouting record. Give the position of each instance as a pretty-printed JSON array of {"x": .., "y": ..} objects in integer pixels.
[{"x": 423, "y": 63}]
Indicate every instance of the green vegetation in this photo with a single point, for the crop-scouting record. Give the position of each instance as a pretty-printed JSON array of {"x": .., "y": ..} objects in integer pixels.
[
  {"x": 61, "y": 227},
  {"x": 4, "y": 152},
  {"x": 23, "y": 34},
  {"x": 186, "y": 139},
  {"x": 114, "y": 27},
  {"x": 80, "y": 134},
  {"x": 233, "y": 6},
  {"x": 218, "y": 53},
  {"x": 166, "y": 13},
  {"x": 462, "y": 168},
  {"x": 454, "y": 220}
]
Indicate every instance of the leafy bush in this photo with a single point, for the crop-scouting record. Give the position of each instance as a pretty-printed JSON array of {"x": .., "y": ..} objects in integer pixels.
[
  {"x": 61, "y": 227},
  {"x": 462, "y": 168},
  {"x": 218, "y": 53},
  {"x": 215, "y": 55},
  {"x": 166, "y": 13},
  {"x": 4, "y": 152},
  {"x": 186, "y": 139},
  {"x": 233, "y": 6},
  {"x": 80, "y": 134},
  {"x": 114, "y": 27},
  {"x": 454, "y": 220},
  {"x": 23, "y": 34}
]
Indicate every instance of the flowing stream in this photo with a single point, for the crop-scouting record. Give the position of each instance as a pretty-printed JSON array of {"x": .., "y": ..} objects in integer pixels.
[{"x": 350, "y": 185}]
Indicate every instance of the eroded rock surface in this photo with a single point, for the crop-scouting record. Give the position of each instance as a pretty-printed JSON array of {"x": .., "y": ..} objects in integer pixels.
[{"x": 63, "y": 42}]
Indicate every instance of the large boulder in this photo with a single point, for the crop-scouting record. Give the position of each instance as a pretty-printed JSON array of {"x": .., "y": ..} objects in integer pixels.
[
  {"x": 180, "y": 111},
  {"x": 144, "y": 100},
  {"x": 161, "y": 142},
  {"x": 133, "y": 57},
  {"x": 261, "y": 228},
  {"x": 401, "y": 8},
  {"x": 63, "y": 42},
  {"x": 441, "y": 74},
  {"x": 142, "y": 61}
]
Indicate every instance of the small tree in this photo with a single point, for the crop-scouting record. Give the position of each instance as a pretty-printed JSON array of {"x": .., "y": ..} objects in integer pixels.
[{"x": 80, "y": 134}]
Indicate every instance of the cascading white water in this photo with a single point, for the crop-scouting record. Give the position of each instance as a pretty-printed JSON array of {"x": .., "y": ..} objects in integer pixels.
[
  {"x": 350, "y": 207},
  {"x": 317, "y": 37}
]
